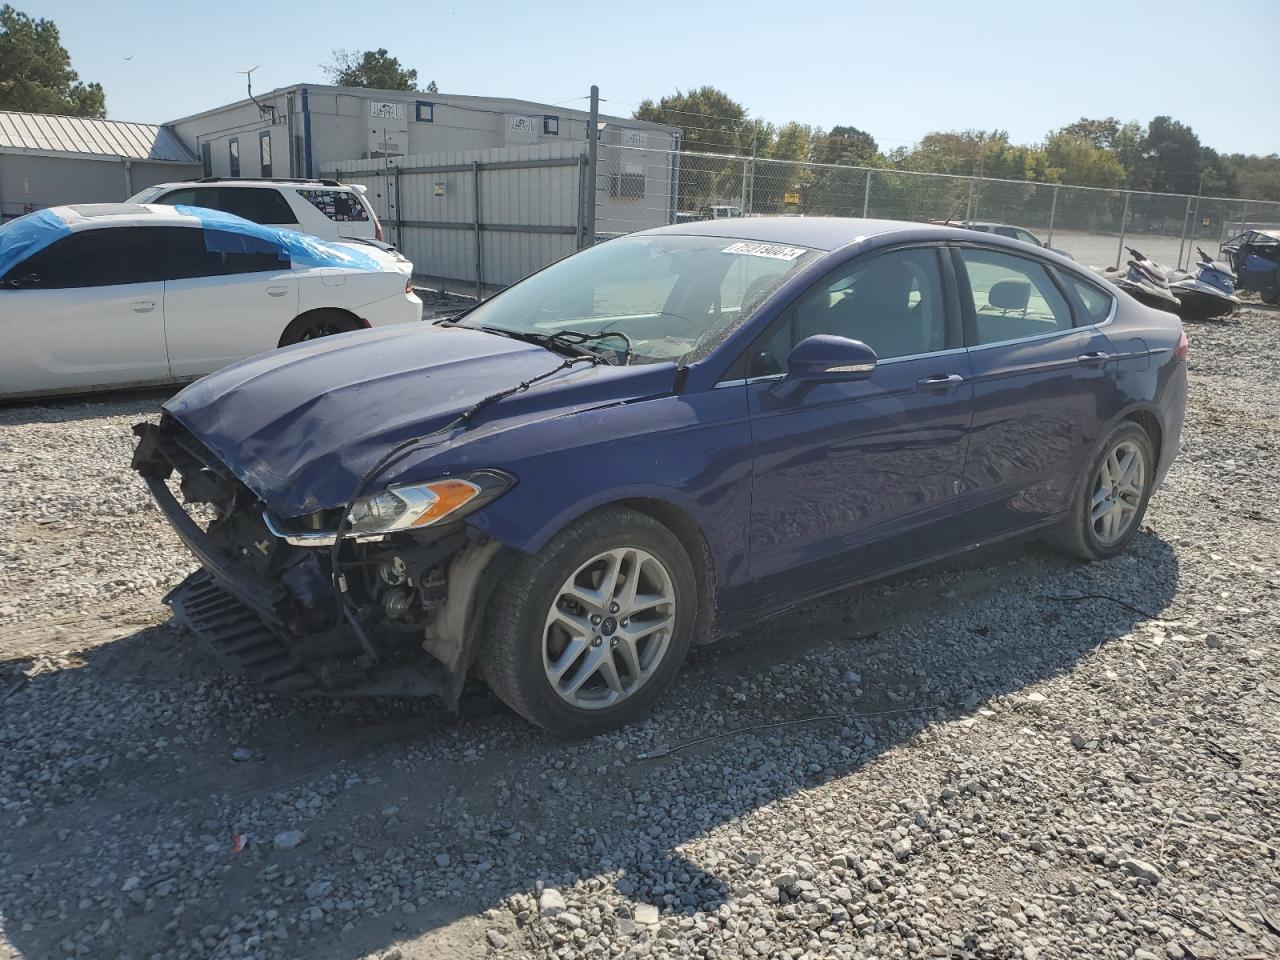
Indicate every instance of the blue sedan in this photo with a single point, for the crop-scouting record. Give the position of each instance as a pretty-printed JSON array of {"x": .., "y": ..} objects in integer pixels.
[{"x": 651, "y": 443}]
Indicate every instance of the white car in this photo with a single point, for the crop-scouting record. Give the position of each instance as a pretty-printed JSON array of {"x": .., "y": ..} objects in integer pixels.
[
  {"x": 323, "y": 208},
  {"x": 96, "y": 296}
]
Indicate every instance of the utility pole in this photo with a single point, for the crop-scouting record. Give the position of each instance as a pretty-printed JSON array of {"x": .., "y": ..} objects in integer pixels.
[{"x": 593, "y": 156}]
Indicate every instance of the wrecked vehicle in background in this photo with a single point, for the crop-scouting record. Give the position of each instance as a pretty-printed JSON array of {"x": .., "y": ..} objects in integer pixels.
[
  {"x": 660, "y": 439},
  {"x": 1255, "y": 259}
]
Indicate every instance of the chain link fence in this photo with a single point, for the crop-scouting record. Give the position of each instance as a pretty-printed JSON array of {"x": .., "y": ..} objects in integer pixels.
[{"x": 640, "y": 188}]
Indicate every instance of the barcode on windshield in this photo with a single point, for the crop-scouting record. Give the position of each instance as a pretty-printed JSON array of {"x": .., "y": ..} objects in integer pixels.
[{"x": 771, "y": 250}]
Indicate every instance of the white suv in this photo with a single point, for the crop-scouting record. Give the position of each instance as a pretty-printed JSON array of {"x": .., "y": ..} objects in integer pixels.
[{"x": 324, "y": 208}]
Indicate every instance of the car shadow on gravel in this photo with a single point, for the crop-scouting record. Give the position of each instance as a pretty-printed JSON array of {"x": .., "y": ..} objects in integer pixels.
[{"x": 134, "y": 767}]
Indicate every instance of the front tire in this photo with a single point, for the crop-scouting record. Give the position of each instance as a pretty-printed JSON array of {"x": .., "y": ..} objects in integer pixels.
[
  {"x": 585, "y": 635},
  {"x": 1111, "y": 500}
]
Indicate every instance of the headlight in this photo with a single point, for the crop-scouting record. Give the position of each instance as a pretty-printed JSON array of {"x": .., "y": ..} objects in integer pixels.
[{"x": 410, "y": 506}]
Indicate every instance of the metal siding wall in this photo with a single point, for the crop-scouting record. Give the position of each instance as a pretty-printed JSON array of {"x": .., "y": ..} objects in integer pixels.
[{"x": 537, "y": 196}]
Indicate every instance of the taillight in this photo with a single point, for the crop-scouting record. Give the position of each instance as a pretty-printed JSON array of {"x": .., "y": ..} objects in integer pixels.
[
  {"x": 1181, "y": 351},
  {"x": 408, "y": 286}
]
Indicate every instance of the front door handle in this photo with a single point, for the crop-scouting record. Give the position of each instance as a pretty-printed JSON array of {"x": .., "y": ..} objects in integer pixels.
[
  {"x": 1096, "y": 359},
  {"x": 277, "y": 291},
  {"x": 940, "y": 381},
  {"x": 143, "y": 306}
]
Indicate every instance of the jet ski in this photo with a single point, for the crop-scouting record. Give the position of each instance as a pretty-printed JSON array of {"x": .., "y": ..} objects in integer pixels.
[
  {"x": 1143, "y": 284},
  {"x": 1208, "y": 293}
]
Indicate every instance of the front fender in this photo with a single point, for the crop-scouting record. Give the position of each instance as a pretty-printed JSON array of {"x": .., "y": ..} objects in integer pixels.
[{"x": 691, "y": 453}]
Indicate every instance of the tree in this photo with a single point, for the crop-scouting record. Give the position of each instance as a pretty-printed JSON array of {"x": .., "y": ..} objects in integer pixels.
[
  {"x": 372, "y": 68},
  {"x": 1080, "y": 160},
  {"x": 1171, "y": 157},
  {"x": 1257, "y": 177},
  {"x": 843, "y": 144},
  {"x": 35, "y": 70},
  {"x": 709, "y": 118}
]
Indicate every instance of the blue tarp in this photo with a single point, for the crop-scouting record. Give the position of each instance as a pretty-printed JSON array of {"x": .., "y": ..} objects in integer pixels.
[
  {"x": 227, "y": 233},
  {"x": 21, "y": 238},
  {"x": 223, "y": 233}
]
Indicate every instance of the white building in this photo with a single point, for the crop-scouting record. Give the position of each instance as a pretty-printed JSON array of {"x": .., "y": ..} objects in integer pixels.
[
  {"x": 304, "y": 130},
  {"x": 47, "y": 160}
]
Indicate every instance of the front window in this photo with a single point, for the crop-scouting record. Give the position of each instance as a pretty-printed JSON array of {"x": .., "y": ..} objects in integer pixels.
[{"x": 672, "y": 296}]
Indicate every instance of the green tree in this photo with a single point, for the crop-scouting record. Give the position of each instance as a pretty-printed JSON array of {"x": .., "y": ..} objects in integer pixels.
[
  {"x": 1077, "y": 159},
  {"x": 710, "y": 119},
  {"x": 35, "y": 70},
  {"x": 844, "y": 144},
  {"x": 1256, "y": 177},
  {"x": 1171, "y": 157},
  {"x": 372, "y": 68}
]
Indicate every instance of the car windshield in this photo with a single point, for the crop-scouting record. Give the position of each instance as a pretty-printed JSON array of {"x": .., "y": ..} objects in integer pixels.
[
  {"x": 145, "y": 196},
  {"x": 671, "y": 296}
]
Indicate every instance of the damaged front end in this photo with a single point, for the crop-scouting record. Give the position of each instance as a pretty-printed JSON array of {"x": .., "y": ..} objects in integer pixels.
[{"x": 397, "y": 618}]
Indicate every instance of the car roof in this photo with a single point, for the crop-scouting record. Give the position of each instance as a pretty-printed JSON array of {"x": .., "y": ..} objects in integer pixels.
[
  {"x": 263, "y": 183},
  {"x": 818, "y": 233},
  {"x": 86, "y": 216}
]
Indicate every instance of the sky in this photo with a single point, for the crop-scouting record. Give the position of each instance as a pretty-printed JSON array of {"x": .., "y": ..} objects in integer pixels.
[{"x": 896, "y": 69}]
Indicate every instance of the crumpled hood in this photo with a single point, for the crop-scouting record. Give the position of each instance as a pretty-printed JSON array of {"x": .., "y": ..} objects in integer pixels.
[{"x": 300, "y": 426}]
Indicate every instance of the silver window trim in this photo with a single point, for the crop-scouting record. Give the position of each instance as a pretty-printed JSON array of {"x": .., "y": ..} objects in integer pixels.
[{"x": 746, "y": 381}]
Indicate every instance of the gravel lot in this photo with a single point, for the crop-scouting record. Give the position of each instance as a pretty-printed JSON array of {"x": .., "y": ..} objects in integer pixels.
[{"x": 978, "y": 768}]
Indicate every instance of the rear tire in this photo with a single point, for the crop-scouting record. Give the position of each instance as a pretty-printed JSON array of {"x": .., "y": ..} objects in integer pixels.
[
  {"x": 586, "y": 634},
  {"x": 1111, "y": 498},
  {"x": 315, "y": 324}
]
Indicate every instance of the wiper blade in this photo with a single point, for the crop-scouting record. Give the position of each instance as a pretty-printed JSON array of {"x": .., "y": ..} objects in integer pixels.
[{"x": 572, "y": 343}]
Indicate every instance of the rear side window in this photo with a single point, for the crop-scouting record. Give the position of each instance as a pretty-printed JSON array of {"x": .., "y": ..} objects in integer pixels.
[
  {"x": 1096, "y": 304},
  {"x": 339, "y": 205},
  {"x": 191, "y": 252},
  {"x": 1013, "y": 298},
  {"x": 105, "y": 257},
  {"x": 258, "y": 204}
]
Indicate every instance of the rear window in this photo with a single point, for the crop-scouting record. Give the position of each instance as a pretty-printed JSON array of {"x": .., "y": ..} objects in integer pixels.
[
  {"x": 1097, "y": 305},
  {"x": 342, "y": 206},
  {"x": 258, "y": 204}
]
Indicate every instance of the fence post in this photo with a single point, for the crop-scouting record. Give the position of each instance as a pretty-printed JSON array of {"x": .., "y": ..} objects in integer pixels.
[
  {"x": 593, "y": 155},
  {"x": 866, "y": 195},
  {"x": 744, "y": 185},
  {"x": 751, "y": 188},
  {"x": 399, "y": 216},
  {"x": 1124, "y": 222},
  {"x": 1182, "y": 242},
  {"x": 475, "y": 189},
  {"x": 582, "y": 198},
  {"x": 1053, "y": 210},
  {"x": 968, "y": 207}
]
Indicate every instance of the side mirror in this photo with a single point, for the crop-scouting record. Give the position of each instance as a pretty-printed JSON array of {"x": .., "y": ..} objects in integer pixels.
[
  {"x": 829, "y": 359},
  {"x": 825, "y": 359}
]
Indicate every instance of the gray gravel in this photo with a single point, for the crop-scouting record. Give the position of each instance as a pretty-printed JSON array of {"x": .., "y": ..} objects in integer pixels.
[{"x": 995, "y": 774}]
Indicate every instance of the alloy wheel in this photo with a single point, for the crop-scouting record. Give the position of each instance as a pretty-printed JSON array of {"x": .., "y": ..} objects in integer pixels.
[
  {"x": 609, "y": 628},
  {"x": 1117, "y": 492}
]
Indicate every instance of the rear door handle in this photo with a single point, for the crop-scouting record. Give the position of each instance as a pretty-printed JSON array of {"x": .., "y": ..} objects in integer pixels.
[
  {"x": 1098, "y": 359},
  {"x": 939, "y": 381},
  {"x": 277, "y": 291},
  {"x": 143, "y": 306}
]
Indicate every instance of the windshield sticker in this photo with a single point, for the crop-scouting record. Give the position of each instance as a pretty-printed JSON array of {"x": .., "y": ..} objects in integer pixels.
[{"x": 773, "y": 251}]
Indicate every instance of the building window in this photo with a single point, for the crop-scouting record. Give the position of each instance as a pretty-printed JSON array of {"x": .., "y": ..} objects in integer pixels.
[
  {"x": 424, "y": 112},
  {"x": 551, "y": 126},
  {"x": 264, "y": 152},
  {"x": 233, "y": 155},
  {"x": 629, "y": 184},
  {"x": 206, "y": 158}
]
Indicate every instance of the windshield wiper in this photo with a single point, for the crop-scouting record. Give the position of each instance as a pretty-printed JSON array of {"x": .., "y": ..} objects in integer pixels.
[{"x": 569, "y": 342}]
